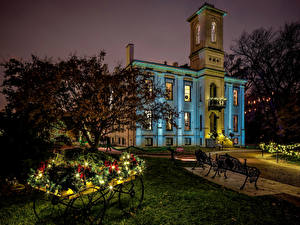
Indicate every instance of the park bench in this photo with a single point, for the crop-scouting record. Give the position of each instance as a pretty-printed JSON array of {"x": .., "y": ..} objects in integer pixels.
[
  {"x": 224, "y": 163},
  {"x": 202, "y": 158},
  {"x": 228, "y": 163}
]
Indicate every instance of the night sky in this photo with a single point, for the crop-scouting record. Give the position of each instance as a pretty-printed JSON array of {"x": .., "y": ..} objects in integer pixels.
[{"x": 157, "y": 28}]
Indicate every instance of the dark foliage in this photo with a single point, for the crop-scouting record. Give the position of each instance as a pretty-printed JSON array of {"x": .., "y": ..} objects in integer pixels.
[
  {"x": 84, "y": 94},
  {"x": 270, "y": 61},
  {"x": 22, "y": 146}
]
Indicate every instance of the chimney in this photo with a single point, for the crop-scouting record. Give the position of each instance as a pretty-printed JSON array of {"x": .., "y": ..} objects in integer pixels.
[{"x": 129, "y": 54}]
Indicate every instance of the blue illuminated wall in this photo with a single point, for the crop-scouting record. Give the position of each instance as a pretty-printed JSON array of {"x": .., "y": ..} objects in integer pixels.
[
  {"x": 231, "y": 110},
  {"x": 196, "y": 107}
]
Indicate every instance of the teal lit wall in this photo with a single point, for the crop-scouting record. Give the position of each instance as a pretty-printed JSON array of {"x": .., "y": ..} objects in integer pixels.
[{"x": 159, "y": 134}]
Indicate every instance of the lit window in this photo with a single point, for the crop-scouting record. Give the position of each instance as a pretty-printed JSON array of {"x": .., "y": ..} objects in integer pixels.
[
  {"x": 169, "y": 141},
  {"x": 197, "y": 34},
  {"x": 187, "y": 121},
  {"x": 235, "y": 123},
  {"x": 148, "y": 141},
  {"x": 187, "y": 93},
  {"x": 169, "y": 91},
  {"x": 213, "y": 32},
  {"x": 169, "y": 125},
  {"x": 235, "y": 97},
  {"x": 148, "y": 125},
  {"x": 187, "y": 141}
]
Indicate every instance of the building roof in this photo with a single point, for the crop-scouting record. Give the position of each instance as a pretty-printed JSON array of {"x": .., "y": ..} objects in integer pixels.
[
  {"x": 152, "y": 66},
  {"x": 234, "y": 80},
  {"x": 206, "y": 6}
]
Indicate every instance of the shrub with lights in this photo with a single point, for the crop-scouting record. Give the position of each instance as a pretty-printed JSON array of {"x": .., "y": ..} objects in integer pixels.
[
  {"x": 221, "y": 139},
  {"x": 77, "y": 169},
  {"x": 287, "y": 150}
]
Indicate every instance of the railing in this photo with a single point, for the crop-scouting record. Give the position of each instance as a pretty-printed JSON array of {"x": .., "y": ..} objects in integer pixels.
[{"x": 216, "y": 103}]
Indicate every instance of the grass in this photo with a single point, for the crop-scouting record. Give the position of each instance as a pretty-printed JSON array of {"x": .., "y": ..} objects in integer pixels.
[{"x": 175, "y": 196}]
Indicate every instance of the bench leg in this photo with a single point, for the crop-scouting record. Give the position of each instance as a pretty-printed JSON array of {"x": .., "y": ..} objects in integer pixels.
[
  {"x": 255, "y": 183},
  {"x": 208, "y": 171},
  {"x": 242, "y": 187},
  {"x": 225, "y": 175},
  {"x": 217, "y": 171},
  {"x": 195, "y": 165}
]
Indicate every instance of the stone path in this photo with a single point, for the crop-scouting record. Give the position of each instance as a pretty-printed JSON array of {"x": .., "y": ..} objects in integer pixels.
[
  {"x": 234, "y": 182},
  {"x": 283, "y": 171}
]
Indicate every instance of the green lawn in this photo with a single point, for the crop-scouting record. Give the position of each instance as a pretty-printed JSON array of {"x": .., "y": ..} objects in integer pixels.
[{"x": 174, "y": 196}]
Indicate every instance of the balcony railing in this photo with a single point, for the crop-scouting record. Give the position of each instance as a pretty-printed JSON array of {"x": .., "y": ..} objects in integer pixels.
[{"x": 216, "y": 103}]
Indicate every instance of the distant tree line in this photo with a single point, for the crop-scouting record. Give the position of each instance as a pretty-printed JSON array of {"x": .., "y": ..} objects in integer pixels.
[{"x": 270, "y": 61}]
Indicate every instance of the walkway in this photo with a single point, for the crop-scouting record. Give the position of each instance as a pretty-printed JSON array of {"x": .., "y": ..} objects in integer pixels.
[{"x": 234, "y": 182}]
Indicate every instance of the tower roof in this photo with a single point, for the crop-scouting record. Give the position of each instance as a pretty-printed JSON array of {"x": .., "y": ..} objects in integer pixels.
[{"x": 206, "y": 6}]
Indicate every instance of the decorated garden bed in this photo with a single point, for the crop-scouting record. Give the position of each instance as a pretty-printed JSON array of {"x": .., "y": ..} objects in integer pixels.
[{"x": 81, "y": 183}]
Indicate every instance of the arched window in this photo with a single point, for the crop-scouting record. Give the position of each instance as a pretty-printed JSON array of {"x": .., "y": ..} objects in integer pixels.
[
  {"x": 213, "y": 90},
  {"x": 213, "y": 122},
  {"x": 197, "y": 36},
  {"x": 213, "y": 32}
]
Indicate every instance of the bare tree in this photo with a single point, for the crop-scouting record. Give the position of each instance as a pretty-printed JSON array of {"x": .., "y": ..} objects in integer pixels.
[{"x": 269, "y": 60}]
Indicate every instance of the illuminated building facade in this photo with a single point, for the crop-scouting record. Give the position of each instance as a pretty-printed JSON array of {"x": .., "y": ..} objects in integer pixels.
[{"x": 207, "y": 101}]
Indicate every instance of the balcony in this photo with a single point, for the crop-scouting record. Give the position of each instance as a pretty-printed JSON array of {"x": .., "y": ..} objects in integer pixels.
[{"x": 216, "y": 103}]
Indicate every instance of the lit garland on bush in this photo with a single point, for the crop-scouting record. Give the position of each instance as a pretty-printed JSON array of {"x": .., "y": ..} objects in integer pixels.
[
  {"x": 60, "y": 175},
  {"x": 287, "y": 150}
]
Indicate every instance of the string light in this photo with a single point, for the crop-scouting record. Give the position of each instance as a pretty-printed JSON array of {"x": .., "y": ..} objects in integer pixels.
[
  {"x": 101, "y": 181},
  {"x": 106, "y": 174}
]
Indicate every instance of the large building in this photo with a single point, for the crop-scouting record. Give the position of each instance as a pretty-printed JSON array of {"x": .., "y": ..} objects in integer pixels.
[{"x": 206, "y": 99}]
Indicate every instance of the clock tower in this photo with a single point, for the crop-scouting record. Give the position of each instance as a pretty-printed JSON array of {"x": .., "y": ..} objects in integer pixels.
[{"x": 207, "y": 38}]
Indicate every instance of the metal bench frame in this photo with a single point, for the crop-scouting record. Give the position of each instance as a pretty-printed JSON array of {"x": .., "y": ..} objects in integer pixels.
[
  {"x": 224, "y": 163},
  {"x": 202, "y": 158}
]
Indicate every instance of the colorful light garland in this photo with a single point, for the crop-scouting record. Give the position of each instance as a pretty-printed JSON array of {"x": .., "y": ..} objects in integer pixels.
[{"x": 63, "y": 176}]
